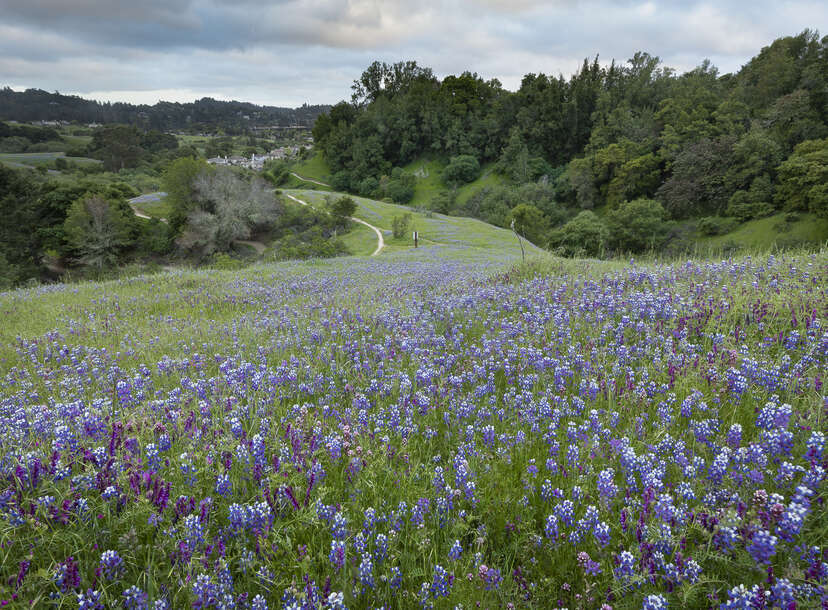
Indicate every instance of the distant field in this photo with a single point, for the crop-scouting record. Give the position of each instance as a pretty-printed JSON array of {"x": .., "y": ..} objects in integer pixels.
[{"x": 41, "y": 158}]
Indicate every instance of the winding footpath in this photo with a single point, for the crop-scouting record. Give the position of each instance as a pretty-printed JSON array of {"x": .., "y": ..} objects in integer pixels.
[
  {"x": 311, "y": 180},
  {"x": 257, "y": 245},
  {"x": 380, "y": 240}
]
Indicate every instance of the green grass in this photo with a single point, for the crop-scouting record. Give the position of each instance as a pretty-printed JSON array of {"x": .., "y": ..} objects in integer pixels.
[
  {"x": 453, "y": 236},
  {"x": 769, "y": 233},
  {"x": 315, "y": 167},
  {"x": 430, "y": 184},
  {"x": 360, "y": 241},
  {"x": 156, "y": 209},
  {"x": 45, "y": 159}
]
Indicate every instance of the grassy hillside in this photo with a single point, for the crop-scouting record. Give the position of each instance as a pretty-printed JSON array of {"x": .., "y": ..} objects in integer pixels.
[
  {"x": 769, "y": 233},
  {"x": 314, "y": 168},
  {"x": 430, "y": 183},
  {"x": 453, "y": 236},
  {"x": 361, "y": 426},
  {"x": 41, "y": 159}
]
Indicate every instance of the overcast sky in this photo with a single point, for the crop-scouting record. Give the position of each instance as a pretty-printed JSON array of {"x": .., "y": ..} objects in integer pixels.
[{"x": 288, "y": 52}]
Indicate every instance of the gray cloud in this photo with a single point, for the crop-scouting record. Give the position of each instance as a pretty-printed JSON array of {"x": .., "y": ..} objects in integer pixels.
[{"x": 293, "y": 51}]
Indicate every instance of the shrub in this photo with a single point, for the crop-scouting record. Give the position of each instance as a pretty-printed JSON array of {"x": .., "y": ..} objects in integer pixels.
[
  {"x": 636, "y": 226},
  {"x": 584, "y": 235},
  {"x": 400, "y": 224},
  {"x": 461, "y": 169},
  {"x": 530, "y": 222},
  {"x": 343, "y": 207},
  {"x": 717, "y": 225}
]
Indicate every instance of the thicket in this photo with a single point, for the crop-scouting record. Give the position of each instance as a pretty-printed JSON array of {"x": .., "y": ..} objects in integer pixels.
[{"x": 700, "y": 144}]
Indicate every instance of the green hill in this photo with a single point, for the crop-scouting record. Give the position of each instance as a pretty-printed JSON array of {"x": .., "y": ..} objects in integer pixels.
[{"x": 453, "y": 237}]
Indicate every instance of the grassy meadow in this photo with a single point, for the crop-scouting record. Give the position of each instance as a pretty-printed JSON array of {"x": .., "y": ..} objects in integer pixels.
[{"x": 439, "y": 427}]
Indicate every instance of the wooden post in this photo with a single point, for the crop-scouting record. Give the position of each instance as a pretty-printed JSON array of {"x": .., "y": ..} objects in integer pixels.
[
  {"x": 522, "y": 252},
  {"x": 416, "y": 237}
]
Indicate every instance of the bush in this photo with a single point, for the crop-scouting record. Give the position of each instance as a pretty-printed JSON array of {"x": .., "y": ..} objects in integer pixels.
[
  {"x": 400, "y": 224},
  {"x": 343, "y": 207},
  {"x": 401, "y": 186},
  {"x": 584, "y": 235},
  {"x": 368, "y": 186},
  {"x": 341, "y": 180},
  {"x": 530, "y": 222},
  {"x": 636, "y": 226},
  {"x": 443, "y": 203},
  {"x": 717, "y": 225},
  {"x": 14, "y": 144},
  {"x": 461, "y": 169}
]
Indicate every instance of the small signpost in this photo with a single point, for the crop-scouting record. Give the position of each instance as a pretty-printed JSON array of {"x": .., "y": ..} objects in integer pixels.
[{"x": 416, "y": 237}]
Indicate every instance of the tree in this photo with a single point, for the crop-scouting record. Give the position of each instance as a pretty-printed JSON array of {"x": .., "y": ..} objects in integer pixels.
[
  {"x": 400, "y": 224},
  {"x": 461, "y": 169},
  {"x": 698, "y": 186},
  {"x": 118, "y": 146},
  {"x": 514, "y": 159},
  {"x": 584, "y": 235},
  {"x": 401, "y": 186},
  {"x": 19, "y": 193},
  {"x": 755, "y": 202},
  {"x": 530, "y": 223},
  {"x": 803, "y": 176},
  {"x": 178, "y": 180},
  {"x": 636, "y": 226},
  {"x": 97, "y": 231},
  {"x": 227, "y": 208},
  {"x": 344, "y": 207},
  {"x": 580, "y": 180}
]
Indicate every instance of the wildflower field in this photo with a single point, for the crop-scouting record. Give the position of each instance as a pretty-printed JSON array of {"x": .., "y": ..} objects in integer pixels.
[{"x": 419, "y": 431}]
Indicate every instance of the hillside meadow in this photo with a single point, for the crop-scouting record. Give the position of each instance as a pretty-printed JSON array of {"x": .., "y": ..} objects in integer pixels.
[{"x": 443, "y": 427}]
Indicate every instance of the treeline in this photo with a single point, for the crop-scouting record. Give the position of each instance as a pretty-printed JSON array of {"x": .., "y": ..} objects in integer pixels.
[
  {"x": 641, "y": 145},
  {"x": 216, "y": 215},
  {"x": 206, "y": 114}
]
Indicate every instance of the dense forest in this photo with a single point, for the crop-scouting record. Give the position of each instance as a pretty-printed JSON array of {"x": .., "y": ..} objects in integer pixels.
[
  {"x": 612, "y": 159},
  {"x": 206, "y": 114}
]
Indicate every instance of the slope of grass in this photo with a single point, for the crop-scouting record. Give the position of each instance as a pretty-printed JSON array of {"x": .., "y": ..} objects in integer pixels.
[
  {"x": 430, "y": 183},
  {"x": 453, "y": 236},
  {"x": 41, "y": 159},
  {"x": 314, "y": 167},
  {"x": 769, "y": 233}
]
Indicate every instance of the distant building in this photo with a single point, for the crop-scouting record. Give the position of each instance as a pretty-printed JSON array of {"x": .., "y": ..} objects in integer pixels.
[{"x": 256, "y": 162}]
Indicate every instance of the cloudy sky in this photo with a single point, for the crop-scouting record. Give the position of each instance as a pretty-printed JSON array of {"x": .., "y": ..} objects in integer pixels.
[{"x": 287, "y": 52}]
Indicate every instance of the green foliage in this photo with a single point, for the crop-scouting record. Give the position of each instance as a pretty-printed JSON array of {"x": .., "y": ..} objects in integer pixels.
[
  {"x": 716, "y": 225},
  {"x": 514, "y": 160},
  {"x": 803, "y": 176},
  {"x": 701, "y": 143},
  {"x": 698, "y": 185},
  {"x": 461, "y": 169},
  {"x": 312, "y": 243},
  {"x": 179, "y": 178},
  {"x": 276, "y": 171},
  {"x": 530, "y": 222},
  {"x": 584, "y": 235},
  {"x": 343, "y": 207},
  {"x": 401, "y": 186},
  {"x": 755, "y": 202},
  {"x": 636, "y": 226},
  {"x": 400, "y": 225},
  {"x": 98, "y": 230}
]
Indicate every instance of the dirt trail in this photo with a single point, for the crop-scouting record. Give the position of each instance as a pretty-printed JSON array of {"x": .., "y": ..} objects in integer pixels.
[
  {"x": 303, "y": 179},
  {"x": 380, "y": 240}
]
